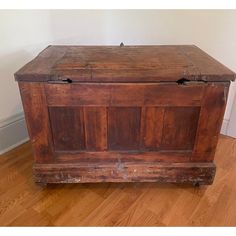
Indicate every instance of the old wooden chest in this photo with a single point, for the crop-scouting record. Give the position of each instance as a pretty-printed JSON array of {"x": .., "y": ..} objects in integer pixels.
[{"x": 124, "y": 113}]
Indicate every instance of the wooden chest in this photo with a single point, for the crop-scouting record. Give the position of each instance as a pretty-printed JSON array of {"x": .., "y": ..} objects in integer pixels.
[{"x": 122, "y": 114}]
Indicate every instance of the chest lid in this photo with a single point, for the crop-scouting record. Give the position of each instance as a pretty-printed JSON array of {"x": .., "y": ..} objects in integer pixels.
[{"x": 123, "y": 64}]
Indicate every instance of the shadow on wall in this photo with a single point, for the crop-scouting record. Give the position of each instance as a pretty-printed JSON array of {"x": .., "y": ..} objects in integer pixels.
[
  {"x": 12, "y": 125},
  {"x": 10, "y": 63}
]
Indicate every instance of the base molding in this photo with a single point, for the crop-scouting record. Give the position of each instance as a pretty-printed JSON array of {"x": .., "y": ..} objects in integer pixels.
[
  {"x": 202, "y": 173},
  {"x": 13, "y": 132},
  {"x": 224, "y": 127}
]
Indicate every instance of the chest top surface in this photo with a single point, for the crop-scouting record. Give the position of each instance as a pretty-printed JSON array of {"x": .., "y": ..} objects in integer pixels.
[{"x": 167, "y": 63}]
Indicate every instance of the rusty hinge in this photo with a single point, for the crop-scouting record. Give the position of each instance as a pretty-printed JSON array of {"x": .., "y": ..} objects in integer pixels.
[
  {"x": 61, "y": 81},
  {"x": 184, "y": 81}
]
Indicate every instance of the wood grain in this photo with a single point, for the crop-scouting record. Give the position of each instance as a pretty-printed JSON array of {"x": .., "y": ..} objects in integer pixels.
[
  {"x": 37, "y": 119},
  {"x": 95, "y": 123},
  {"x": 126, "y": 94},
  {"x": 22, "y": 203},
  {"x": 123, "y": 156},
  {"x": 67, "y": 128},
  {"x": 179, "y": 128},
  {"x": 124, "y": 64},
  {"x": 124, "y": 128},
  {"x": 210, "y": 121},
  {"x": 152, "y": 127},
  {"x": 202, "y": 173},
  {"x": 154, "y": 111}
]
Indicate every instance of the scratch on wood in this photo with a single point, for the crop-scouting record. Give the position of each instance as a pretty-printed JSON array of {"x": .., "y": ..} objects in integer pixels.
[{"x": 119, "y": 166}]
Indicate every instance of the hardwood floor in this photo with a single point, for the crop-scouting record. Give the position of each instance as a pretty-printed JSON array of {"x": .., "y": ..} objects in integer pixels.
[{"x": 23, "y": 203}]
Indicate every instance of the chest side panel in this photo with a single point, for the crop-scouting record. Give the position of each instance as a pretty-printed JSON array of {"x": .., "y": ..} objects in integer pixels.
[{"x": 37, "y": 119}]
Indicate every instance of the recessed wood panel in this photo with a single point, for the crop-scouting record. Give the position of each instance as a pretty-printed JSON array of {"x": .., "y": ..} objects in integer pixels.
[
  {"x": 124, "y": 128},
  {"x": 179, "y": 128},
  {"x": 95, "y": 123},
  {"x": 67, "y": 128}
]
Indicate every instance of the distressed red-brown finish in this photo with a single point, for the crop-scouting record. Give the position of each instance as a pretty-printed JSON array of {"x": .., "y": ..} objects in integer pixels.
[
  {"x": 123, "y": 114},
  {"x": 124, "y": 128},
  {"x": 210, "y": 120},
  {"x": 179, "y": 128},
  {"x": 152, "y": 125},
  {"x": 95, "y": 125},
  {"x": 67, "y": 128},
  {"x": 37, "y": 119},
  {"x": 124, "y": 94},
  {"x": 203, "y": 173},
  {"x": 124, "y": 64}
]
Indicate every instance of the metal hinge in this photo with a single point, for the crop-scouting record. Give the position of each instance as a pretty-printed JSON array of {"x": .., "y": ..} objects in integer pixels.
[
  {"x": 184, "y": 81},
  {"x": 62, "y": 81}
]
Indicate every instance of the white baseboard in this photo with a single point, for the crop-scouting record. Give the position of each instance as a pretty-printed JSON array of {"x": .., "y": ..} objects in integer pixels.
[
  {"x": 13, "y": 132},
  {"x": 224, "y": 127}
]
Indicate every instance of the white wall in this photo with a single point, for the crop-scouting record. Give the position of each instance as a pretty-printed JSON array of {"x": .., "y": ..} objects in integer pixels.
[
  {"x": 212, "y": 30},
  {"x": 23, "y": 33}
]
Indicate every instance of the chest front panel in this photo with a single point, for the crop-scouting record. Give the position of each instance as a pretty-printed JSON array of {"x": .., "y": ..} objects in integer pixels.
[
  {"x": 128, "y": 121},
  {"x": 123, "y": 114},
  {"x": 121, "y": 117}
]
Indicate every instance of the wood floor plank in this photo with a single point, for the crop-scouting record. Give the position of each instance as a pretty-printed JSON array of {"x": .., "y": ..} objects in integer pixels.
[
  {"x": 111, "y": 209},
  {"x": 23, "y": 203},
  {"x": 32, "y": 218}
]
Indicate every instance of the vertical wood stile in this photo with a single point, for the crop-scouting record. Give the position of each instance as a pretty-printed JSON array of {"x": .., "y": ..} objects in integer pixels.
[
  {"x": 95, "y": 123},
  {"x": 37, "y": 119},
  {"x": 210, "y": 120}
]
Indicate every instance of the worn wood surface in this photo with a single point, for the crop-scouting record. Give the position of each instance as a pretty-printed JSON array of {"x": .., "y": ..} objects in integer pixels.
[
  {"x": 123, "y": 124},
  {"x": 153, "y": 112},
  {"x": 126, "y": 94},
  {"x": 200, "y": 173},
  {"x": 214, "y": 102},
  {"x": 124, "y": 64},
  {"x": 95, "y": 125},
  {"x": 123, "y": 156},
  {"x": 179, "y": 128},
  {"x": 67, "y": 128},
  {"x": 151, "y": 127},
  {"x": 22, "y": 203},
  {"x": 37, "y": 120},
  {"x": 124, "y": 128}
]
